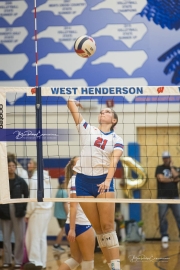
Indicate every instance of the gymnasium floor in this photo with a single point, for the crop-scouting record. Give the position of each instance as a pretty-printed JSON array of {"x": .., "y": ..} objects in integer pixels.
[{"x": 143, "y": 256}]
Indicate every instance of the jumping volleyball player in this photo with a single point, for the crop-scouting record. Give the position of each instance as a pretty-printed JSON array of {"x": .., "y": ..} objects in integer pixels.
[
  {"x": 101, "y": 150},
  {"x": 78, "y": 228}
]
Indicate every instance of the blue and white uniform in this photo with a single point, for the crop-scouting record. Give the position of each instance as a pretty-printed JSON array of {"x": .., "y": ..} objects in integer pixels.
[
  {"x": 82, "y": 222},
  {"x": 95, "y": 157}
]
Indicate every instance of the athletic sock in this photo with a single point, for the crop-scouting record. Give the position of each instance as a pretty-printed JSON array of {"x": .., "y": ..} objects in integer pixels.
[
  {"x": 109, "y": 264},
  {"x": 115, "y": 264},
  {"x": 87, "y": 265}
]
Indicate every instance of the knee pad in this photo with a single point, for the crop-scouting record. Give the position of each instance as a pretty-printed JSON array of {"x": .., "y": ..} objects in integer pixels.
[
  {"x": 87, "y": 265},
  {"x": 73, "y": 264},
  {"x": 108, "y": 240}
]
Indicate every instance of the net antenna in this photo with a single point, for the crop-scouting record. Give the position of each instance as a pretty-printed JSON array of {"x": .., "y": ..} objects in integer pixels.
[{"x": 36, "y": 42}]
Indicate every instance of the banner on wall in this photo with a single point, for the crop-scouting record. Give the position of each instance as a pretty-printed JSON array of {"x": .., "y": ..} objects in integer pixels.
[
  {"x": 93, "y": 90},
  {"x": 25, "y": 96},
  {"x": 137, "y": 42}
]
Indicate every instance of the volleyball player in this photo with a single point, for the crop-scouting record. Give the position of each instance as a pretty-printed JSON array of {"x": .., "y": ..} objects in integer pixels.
[
  {"x": 78, "y": 229},
  {"x": 101, "y": 150}
]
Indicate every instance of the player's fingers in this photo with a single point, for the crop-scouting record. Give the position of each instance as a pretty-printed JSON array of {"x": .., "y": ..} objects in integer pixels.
[
  {"x": 102, "y": 184},
  {"x": 103, "y": 187},
  {"x": 71, "y": 239},
  {"x": 100, "y": 190},
  {"x": 100, "y": 187},
  {"x": 106, "y": 188}
]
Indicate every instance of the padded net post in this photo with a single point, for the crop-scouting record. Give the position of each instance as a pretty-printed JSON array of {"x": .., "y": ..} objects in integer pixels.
[
  {"x": 4, "y": 192},
  {"x": 40, "y": 184}
]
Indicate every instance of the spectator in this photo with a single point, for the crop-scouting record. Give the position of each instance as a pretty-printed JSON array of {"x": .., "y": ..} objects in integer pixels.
[
  {"x": 20, "y": 171},
  {"x": 12, "y": 216},
  {"x": 60, "y": 212},
  {"x": 38, "y": 216},
  {"x": 167, "y": 180}
]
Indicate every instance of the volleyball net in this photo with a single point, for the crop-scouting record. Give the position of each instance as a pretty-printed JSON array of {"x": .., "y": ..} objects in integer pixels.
[{"x": 36, "y": 124}]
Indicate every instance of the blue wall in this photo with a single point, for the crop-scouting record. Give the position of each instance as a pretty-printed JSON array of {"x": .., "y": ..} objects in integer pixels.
[{"x": 137, "y": 44}]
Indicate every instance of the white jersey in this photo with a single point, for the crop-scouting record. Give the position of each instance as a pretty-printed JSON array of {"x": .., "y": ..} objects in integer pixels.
[
  {"x": 96, "y": 149},
  {"x": 81, "y": 218}
]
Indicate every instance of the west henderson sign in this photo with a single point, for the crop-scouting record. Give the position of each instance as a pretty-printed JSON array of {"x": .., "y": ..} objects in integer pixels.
[{"x": 97, "y": 91}]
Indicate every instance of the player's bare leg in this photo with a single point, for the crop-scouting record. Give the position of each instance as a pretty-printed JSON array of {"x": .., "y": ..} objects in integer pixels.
[
  {"x": 106, "y": 215},
  {"x": 91, "y": 211},
  {"x": 75, "y": 259}
]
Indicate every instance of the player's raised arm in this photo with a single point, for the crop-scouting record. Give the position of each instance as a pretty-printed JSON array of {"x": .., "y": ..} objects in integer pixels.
[{"x": 73, "y": 107}]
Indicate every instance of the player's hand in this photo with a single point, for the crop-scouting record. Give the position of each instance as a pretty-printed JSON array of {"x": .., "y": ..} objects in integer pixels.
[
  {"x": 171, "y": 164},
  {"x": 104, "y": 186},
  {"x": 71, "y": 235}
]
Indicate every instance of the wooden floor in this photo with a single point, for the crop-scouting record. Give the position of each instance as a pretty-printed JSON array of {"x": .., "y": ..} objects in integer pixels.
[{"x": 142, "y": 256}]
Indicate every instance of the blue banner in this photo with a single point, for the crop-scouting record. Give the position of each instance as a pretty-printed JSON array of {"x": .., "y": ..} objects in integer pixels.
[{"x": 137, "y": 42}]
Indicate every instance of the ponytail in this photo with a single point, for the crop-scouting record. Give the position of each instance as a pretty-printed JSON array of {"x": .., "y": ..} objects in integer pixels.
[
  {"x": 115, "y": 117},
  {"x": 69, "y": 170}
]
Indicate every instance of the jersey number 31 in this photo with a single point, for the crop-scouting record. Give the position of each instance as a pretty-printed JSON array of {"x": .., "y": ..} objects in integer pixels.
[{"x": 100, "y": 143}]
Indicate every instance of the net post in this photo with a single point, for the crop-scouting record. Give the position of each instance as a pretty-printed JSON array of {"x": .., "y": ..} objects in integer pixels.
[{"x": 40, "y": 176}]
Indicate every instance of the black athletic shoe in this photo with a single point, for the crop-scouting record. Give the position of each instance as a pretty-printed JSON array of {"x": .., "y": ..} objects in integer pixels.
[{"x": 32, "y": 266}]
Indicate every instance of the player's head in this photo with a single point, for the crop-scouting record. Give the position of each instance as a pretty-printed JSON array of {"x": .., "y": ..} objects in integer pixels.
[
  {"x": 11, "y": 156},
  {"x": 108, "y": 116},
  {"x": 12, "y": 165},
  {"x": 32, "y": 165},
  {"x": 61, "y": 181},
  {"x": 166, "y": 158},
  {"x": 69, "y": 169}
]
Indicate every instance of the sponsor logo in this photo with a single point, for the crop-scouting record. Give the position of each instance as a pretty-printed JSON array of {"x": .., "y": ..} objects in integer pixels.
[
  {"x": 113, "y": 266},
  {"x": 1, "y": 116},
  {"x": 88, "y": 52},
  {"x": 33, "y": 91},
  {"x": 29, "y": 133},
  {"x": 160, "y": 89},
  {"x": 110, "y": 103},
  {"x": 34, "y": 134}
]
